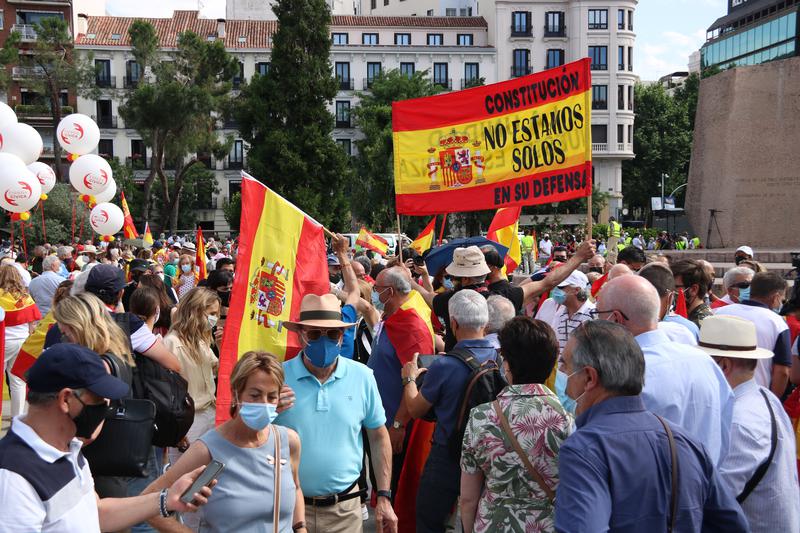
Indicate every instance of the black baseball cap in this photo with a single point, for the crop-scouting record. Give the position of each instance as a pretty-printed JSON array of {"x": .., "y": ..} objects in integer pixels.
[
  {"x": 72, "y": 366},
  {"x": 105, "y": 278},
  {"x": 139, "y": 265}
]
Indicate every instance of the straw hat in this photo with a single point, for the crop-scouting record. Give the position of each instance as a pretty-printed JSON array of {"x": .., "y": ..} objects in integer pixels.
[
  {"x": 468, "y": 263},
  {"x": 730, "y": 336},
  {"x": 319, "y": 312}
]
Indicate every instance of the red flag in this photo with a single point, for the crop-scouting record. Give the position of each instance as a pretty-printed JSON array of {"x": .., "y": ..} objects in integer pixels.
[
  {"x": 680, "y": 305},
  {"x": 598, "y": 284},
  {"x": 503, "y": 230},
  {"x": 200, "y": 256},
  {"x": 128, "y": 228}
]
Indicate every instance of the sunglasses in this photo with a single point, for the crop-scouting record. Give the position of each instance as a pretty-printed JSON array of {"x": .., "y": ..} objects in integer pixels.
[
  {"x": 743, "y": 285},
  {"x": 595, "y": 313},
  {"x": 316, "y": 334}
]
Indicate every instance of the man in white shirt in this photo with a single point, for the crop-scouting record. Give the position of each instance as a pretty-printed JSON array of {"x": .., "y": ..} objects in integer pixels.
[
  {"x": 760, "y": 467},
  {"x": 572, "y": 295},
  {"x": 736, "y": 283},
  {"x": 43, "y": 287},
  {"x": 45, "y": 482},
  {"x": 660, "y": 276},
  {"x": 545, "y": 249}
]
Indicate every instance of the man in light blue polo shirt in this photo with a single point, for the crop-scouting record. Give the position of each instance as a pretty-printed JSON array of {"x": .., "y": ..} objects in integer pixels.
[{"x": 334, "y": 399}]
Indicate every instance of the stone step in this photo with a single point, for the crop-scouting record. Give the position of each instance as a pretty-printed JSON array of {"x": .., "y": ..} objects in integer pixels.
[
  {"x": 781, "y": 268},
  {"x": 725, "y": 255}
]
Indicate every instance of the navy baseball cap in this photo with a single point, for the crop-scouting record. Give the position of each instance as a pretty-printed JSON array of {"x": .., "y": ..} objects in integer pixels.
[
  {"x": 333, "y": 260},
  {"x": 72, "y": 366},
  {"x": 139, "y": 265},
  {"x": 105, "y": 278}
]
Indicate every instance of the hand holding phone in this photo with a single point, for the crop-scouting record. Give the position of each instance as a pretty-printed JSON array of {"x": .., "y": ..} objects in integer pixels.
[{"x": 211, "y": 472}]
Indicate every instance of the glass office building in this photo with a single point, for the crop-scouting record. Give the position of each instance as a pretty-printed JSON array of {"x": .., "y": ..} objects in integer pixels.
[{"x": 758, "y": 32}]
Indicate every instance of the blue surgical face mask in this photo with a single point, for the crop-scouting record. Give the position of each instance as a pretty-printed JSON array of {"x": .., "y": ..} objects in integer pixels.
[
  {"x": 257, "y": 416},
  {"x": 744, "y": 294},
  {"x": 376, "y": 301},
  {"x": 448, "y": 284},
  {"x": 322, "y": 352},
  {"x": 561, "y": 390},
  {"x": 186, "y": 268},
  {"x": 558, "y": 295}
]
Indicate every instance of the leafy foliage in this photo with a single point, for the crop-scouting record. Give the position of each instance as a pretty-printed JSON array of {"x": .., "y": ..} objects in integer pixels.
[{"x": 233, "y": 211}]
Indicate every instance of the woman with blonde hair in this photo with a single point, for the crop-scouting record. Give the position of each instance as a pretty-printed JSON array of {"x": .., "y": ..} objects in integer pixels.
[
  {"x": 185, "y": 278},
  {"x": 21, "y": 315},
  {"x": 254, "y": 478},
  {"x": 190, "y": 340}
]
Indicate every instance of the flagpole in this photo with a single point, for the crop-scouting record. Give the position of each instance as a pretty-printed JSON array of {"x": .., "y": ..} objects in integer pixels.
[
  {"x": 589, "y": 220},
  {"x": 399, "y": 239},
  {"x": 441, "y": 232}
]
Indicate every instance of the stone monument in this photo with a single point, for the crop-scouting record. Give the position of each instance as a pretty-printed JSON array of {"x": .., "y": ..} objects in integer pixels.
[{"x": 744, "y": 177}]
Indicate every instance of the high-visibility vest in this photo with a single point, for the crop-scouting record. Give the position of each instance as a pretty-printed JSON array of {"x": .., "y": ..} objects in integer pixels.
[
  {"x": 527, "y": 243},
  {"x": 615, "y": 228},
  {"x": 696, "y": 242}
]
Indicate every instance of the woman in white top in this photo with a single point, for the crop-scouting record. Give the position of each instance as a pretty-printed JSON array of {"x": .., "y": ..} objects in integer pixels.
[{"x": 186, "y": 277}]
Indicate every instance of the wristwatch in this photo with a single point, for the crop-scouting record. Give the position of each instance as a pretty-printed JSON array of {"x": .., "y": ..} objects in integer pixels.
[
  {"x": 408, "y": 380},
  {"x": 397, "y": 425},
  {"x": 385, "y": 494}
]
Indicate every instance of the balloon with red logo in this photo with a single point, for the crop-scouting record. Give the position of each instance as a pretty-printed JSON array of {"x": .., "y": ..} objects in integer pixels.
[
  {"x": 90, "y": 174},
  {"x": 7, "y": 114},
  {"x": 78, "y": 134},
  {"x": 106, "y": 218},
  {"x": 108, "y": 194},
  {"x": 46, "y": 175},
  {"x": 21, "y": 140},
  {"x": 20, "y": 189}
]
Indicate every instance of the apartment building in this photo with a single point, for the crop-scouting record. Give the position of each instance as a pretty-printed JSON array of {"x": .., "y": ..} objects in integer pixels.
[{"x": 454, "y": 51}]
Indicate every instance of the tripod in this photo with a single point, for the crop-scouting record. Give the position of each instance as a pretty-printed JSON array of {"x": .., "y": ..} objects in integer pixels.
[{"x": 712, "y": 220}]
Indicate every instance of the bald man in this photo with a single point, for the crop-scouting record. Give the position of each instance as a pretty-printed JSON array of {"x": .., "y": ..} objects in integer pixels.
[
  {"x": 620, "y": 269},
  {"x": 682, "y": 383}
]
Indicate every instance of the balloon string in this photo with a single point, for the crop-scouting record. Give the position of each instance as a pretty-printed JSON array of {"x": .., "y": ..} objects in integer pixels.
[
  {"x": 24, "y": 242},
  {"x": 12, "y": 237},
  {"x": 44, "y": 227},
  {"x": 83, "y": 218},
  {"x": 73, "y": 219}
]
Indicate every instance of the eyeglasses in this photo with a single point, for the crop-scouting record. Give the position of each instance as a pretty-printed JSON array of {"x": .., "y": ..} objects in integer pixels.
[
  {"x": 315, "y": 334},
  {"x": 595, "y": 313},
  {"x": 743, "y": 285},
  {"x": 559, "y": 258}
]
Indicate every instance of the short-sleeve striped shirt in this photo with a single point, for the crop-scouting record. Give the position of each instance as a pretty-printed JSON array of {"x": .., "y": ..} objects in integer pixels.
[{"x": 565, "y": 324}]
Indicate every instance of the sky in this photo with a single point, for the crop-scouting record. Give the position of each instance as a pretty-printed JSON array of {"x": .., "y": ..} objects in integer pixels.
[{"x": 667, "y": 31}]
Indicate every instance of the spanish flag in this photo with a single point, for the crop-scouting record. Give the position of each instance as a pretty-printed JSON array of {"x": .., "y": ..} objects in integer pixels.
[
  {"x": 33, "y": 346},
  {"x": 503, "y": 230},
  {"x": 370, "y": 241},
  {"x": 424, "y": 240},
  {"x": 200, "y": 256},
  {"x": 281, "y": 258},
  {"x": 148, "y": 237},
  {"x": 128, "y": 228}
]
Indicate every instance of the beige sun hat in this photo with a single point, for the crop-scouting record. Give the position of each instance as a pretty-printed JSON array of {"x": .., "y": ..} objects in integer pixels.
[
  {"x": 319, "y": 312},
  {"x": 730, "y": 336},
  {"x": 468, "y": 262}
]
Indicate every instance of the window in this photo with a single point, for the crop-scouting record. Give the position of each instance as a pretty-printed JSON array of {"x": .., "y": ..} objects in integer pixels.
[
  {"x": 621, "y": 97},
  {"x": 620, "y": 133},
  {"x": 133, "y": 73},
  {"x": 262, "y": 68},
  {"x": 435, "y": 39},
  {"x": 630, "y": 58},
  {"x": 450, "y": 12},
  {"x": 555, "y": 58},
  {"x": 440, "y": 75},
  {"x": 402, "y": 39},
  {"x": 102, "y": 68},
  {"x": 472, "y": 75},
  {"x": 630, "y": 22},
  {"x": 105, "y": 118},
  {"x": 342, "y": 114},
  {"x": 239, "y": 78},
  {"x": 373, "y": 70},
  {"x": 630, "y": 134},
  {"x": 106, "y": 148},
  {"x": 621, "y": 58},
  {"x": 116, "y": 36},
  {"x": 521, "y": 24},
  {"x": 429, "y": 13},
  {"x": 346, "y": 146},
  {"x": 234, "y": 188},
  {"x": 343, "y": 75},
  {"x": 369, "y": 38},
  {"x": 554, "y": 24},
  {"x": 138, "y": 154},
  {"x": 340, "y": 38},
  {"x": 599, "y": 96},
  {"x": 599, "y": 55},
  {"x": 630, "y": 97},
  {"x": 465, "y": 11},
  {"x": 464, "y": 39},
  {"x": 407, "y": 69},
  {"x": 242, "y": 39},
  {"x": 599, "y": 133},
  {"x": 620, "y": 19},
  {"x": 521, "y": 63},
  {"x": 2, "y": 16},
  {"x": 236, "y": 156},
  {"x": 598, "y": 19},
  {"x": 386, "y": 2}
]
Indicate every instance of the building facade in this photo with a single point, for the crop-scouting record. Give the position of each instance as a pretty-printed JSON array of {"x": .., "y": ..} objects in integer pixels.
[{"x": 753, "y": 32}]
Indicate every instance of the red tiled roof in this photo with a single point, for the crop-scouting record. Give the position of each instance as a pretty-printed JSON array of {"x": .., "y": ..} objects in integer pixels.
[{"x": 257, "y": 33}]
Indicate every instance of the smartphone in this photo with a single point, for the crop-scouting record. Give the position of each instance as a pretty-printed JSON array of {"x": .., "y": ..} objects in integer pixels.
[
  {"x": 419, "y": 260},
  {"x": 212, "y": 471},
  {"x": 424, "y": 361}
]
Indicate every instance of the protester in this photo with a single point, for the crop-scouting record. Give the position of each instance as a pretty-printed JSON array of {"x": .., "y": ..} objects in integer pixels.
[
  {"x": 572, "y": 296},
  {"x": 736, "y": 283},
  {"x": 677, "y": 328},
  {"x": 335, "y": 399},
  {"x": 743, "y": 253},
  {"x": 186, "y": 278},
  {"x": 560, "y": 254},
  {"x": 89, "y": 254},
  {"x": 43, "y": 286},
  {"x": 136, "y": 269},
  {"x": 163, "y": 319},
  {"x": 226, "y": 264},
  {"x": 21, "y": 264},
  {"x": 64, "y": 253},
  {"x": 501, "y": 311},
  {"x": 618, "y": 470},
  {"x": 145, "y": 303},
  {"x": 39, "y": 253},
  {"x": 21, "y": 315},
  {"x": 597, "y": 264},
  {"x": 633, "y": 257},
  {"x": 497, "y": 490},
  {"x": 243, "y": 500},
  {"x": 682, "y": 383},
  {"x": 693, "y": 280},
  {"x": 545, "y": 249},
  {"x": 767, "y": 292},
  {"x": 760, "y": 467},
  {"x": 171, "y": 269}
]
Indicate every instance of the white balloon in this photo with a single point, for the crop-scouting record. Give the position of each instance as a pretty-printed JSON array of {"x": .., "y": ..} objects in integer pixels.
[
  {"x": 21, "y": 140},
  {"x": 108, "y": 194},
  {"x": 20, "y": 189},
  {"x": 7, "y": 114},
  {"x": 10, "y": 160},
  {"x": 46, "y": 175},
  {"x": 106, "y": 219},
  {"x": 78, "y": 134},
  {"x": 90, "y": 174}
]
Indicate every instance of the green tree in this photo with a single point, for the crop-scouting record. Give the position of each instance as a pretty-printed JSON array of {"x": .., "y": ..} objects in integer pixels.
[
  {"x": 686, "y": 95},
  {"x": 176, "y": 111},
  {"x": 372, "y": 192},
  {"x": 284, "y": 116},
  {"x": 52, "y": 68},
  {"x": 9, "y": 54},
  {"x": 233, "y": 211}
]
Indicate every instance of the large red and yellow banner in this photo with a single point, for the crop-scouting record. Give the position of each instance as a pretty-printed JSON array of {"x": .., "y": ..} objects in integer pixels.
[
  {"x": 520, "y": 142},
  {"x": 281, "y": 258}
]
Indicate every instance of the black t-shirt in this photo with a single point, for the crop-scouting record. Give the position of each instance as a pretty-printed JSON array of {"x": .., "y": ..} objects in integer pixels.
[
  {"x": 440, "y": 309},
  {"x": 505, "y": 288}
]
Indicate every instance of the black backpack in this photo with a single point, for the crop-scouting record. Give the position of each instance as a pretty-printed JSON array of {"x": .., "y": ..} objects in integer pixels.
[
  {"x": 485, "y": 383},
  {"x": 166, "y": 389}
]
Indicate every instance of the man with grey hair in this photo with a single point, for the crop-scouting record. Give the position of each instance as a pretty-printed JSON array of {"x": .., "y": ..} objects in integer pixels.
[
  {"x": 64, "y": 253},
  {"x": 618, "y": 469},
  {"x": 366, "y": 264},
  {"x": 736, "y": 283},
  {"x": 501, "y": 310},
  {"x": 43, "y": 287},
  {"x": 682, "y": 384},
  {"x": 445, "y": 382}
]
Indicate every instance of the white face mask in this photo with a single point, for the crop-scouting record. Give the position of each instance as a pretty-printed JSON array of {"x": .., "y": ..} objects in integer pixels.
[{"x": 212, "y": 320}]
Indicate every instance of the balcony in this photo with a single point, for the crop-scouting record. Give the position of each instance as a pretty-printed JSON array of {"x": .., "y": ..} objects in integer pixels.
[
  {"x": 106, "y": 82},
  {"x": 24, "y": 111},
  {"x": 232, "y": 164},
  {"x": 447, "y": 84},
  {"x": 20, "y": 73},
  {"x": 137, "y": 162},
  {"x": 344, "y": 123},
  {"x": 106, "y": 121},
  {"x": 469, "y": 83},
  {"x": 207, "y": 161},
  {"x": 368, "y": 83},
  {"x": 599, "y": 66},
  {"x": 237, "y": 83},
  {"x": 230, "y": 123},
  {"x": 131, "y": 82},
  {"x": 209, "y": 202},
  {"x": 346, "y": 84},
  {"x": 599, "y": 147},
  {"x": 521, "y": 31},
  {"x": 555, "y": 31},
  {"x": 520, "y": 70},
  {"x": 26, "y": 31},
  {"x": 625, "y": 147}
]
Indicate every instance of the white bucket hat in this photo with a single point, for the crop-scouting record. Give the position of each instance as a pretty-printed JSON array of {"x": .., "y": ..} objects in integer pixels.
[
  {"x": 730, "y": 336},
  {"x": 468, "y": 263}
]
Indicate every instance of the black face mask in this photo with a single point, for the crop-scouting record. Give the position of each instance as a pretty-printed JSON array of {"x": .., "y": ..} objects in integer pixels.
[
  {"x": 89, "y": 418},
  {"x": 599, "y": 270},
  {"x": 738, "y": 259},
  {"x": 335, "y": 278},
  {"x": 225, "y": 298}
]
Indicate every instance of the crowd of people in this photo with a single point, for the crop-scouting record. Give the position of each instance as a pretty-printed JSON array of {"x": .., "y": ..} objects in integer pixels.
[{"x": 594, "y": 390}]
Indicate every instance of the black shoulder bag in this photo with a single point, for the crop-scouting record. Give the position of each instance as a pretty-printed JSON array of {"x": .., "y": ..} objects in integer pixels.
[{"x": 761, "y": 471}]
